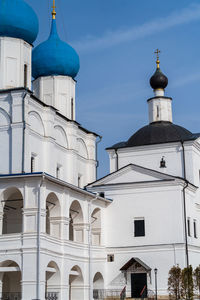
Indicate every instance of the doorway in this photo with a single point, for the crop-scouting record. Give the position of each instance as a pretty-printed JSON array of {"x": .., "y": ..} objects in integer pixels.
[{"x": 139, "y": 285}]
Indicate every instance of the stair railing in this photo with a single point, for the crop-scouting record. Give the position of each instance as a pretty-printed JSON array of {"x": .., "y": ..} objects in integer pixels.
[
  {"x": 142, "y": 292},
  {"x": 123, "y": 294}
]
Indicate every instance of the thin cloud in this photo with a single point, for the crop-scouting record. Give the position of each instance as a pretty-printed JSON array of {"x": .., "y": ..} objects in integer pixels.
[
  {"x": 113, "y": 38},
  {"x": 182, "y": 81},
  {"x": 114, "y": 94}
]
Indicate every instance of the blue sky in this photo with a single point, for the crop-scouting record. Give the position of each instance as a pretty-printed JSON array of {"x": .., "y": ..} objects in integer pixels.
[{"x": 116, "y": 40}]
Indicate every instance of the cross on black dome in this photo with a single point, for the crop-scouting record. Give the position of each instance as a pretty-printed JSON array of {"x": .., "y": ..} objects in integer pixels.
[{"x": 158, "y": 80}]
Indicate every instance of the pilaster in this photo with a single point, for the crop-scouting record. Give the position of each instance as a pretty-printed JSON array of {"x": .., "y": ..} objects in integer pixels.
[
  {"x": 80, "y": 232},
  {"x": 30, "y": 219}
]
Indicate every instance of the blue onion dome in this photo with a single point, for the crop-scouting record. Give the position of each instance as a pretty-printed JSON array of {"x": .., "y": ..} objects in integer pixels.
[
  {"x": 18, "y": 20},
  {"x": 54, "y": 57}
]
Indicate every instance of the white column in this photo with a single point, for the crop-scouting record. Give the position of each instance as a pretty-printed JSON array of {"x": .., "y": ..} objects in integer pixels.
[
  {"x": 1, "y": 222},
  {"x": 59, "y": 227},
  {"x": 1, "y": 285},
  {"x": 64, "y": 228},
  {"x": 28, "y": 281},
  {"x": 29, "y": 219}
]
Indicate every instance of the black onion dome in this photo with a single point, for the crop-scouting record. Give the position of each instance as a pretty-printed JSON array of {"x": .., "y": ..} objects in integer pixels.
[
  {"x": 157, "y": 133},
  {"x": 158, "y": 80}
]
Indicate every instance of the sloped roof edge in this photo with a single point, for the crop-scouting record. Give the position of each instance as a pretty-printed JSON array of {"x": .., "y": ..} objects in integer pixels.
[{"x": 131, "y": 262}]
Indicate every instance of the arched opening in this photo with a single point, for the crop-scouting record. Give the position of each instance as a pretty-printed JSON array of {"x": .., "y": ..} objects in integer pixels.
[
  {"x": 96, "y": 227},
  {"x": 5, "y": 149},
  {"x": 12, "y": 206},
  {"x": 82, "y": 148},
  {"x": 10, "y": 275},
  {"x": 53, "y": 212},
  {"x": 76, "y": 284},
  {"x": 52, "y": 288},
  {"x": 98, "y": 286},
  {"x": 76, "y": 232}
]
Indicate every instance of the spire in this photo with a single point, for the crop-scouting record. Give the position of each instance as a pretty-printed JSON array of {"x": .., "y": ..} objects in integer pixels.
[
  {"x": 157, "y": 60},
  {"x": 54, "y": 10},
  {"x": 53, "y": 32}
]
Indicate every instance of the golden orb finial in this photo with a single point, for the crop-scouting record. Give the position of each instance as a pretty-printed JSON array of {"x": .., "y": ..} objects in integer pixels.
[
  {"x": 157, "y": 58},
  {"x": 54, "y": 10}
]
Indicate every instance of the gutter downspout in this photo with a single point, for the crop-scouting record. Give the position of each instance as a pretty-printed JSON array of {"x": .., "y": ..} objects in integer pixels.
[
  {"x": 89, "y": 249},
  {"x": 38, "y": 240},
  {"x": 97, "y": 162},
  {"x": 117, "y": 160},
  {"x": 184, "y": 205},
  {"x": 23, "y": 136}
]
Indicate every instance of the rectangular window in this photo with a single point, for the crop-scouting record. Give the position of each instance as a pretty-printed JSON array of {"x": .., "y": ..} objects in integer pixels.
[
  {"x": 25, "y": 75},
  {"x": 195, "y": 228},
  {"x": 32, "y": 164},
  {"x": 58, "y": 171},
  {"x": 110, "y": 257},
  {"x": 79, "y": 180},
  {"x": 188, "y": 227},
  {"x": 139, "y": 228},
  {"x": 72, "y": 108}
]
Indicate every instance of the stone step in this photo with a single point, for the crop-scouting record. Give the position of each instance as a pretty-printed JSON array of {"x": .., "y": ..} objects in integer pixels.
[{"x": 127, "y": 298}]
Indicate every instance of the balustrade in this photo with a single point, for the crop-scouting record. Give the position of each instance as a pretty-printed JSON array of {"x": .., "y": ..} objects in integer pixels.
[
  {"x": 51, "y": 296},
  {"x": 11, "y": 296},
  {"x": 101, "y": 294}
]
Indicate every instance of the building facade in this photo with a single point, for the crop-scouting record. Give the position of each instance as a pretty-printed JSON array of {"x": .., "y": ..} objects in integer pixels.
[{"x": 63, "y": 233}]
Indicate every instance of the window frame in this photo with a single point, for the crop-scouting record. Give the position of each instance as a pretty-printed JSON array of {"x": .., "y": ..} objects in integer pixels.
[
  {"x": 188, "y": 227},
  {"x": 137, "y": 234},
  {"x": 195, "y": 228},
  {"x": 25, "y": 75}
]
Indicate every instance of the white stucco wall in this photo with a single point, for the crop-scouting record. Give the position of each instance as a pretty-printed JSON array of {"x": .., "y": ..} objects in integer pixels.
[{"x": 54, "y": 141}]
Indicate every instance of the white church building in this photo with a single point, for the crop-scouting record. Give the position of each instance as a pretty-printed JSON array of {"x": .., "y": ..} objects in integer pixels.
[{"x": 64, "y": 235}]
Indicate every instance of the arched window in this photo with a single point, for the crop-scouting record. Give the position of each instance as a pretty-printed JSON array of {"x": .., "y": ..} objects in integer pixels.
[
  {"x": 53, "y": 212},
  {"x": 76, "y": 222},
  {"x": 11, "y": 280},
  {"x": 12, "y": 204},
  {"x": 53, "y": 281},
  {"x": 76, "y": 284},
  {"x": 96, "y": 227},
  {"x": 98, "y": 286}
]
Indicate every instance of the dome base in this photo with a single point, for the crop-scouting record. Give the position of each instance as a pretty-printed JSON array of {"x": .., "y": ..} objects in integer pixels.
[
  {"x": 15, "y": 63},
  {"x": 57, "y": 91}
]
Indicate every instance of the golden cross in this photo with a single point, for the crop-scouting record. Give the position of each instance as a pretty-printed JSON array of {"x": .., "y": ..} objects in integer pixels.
[
  {"x": 54, "y": 9},
  {"x": 157, "y": 56}
]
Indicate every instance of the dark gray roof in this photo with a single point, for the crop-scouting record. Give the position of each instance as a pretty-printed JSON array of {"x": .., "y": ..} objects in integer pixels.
[{"x": 157, "y": 133}]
